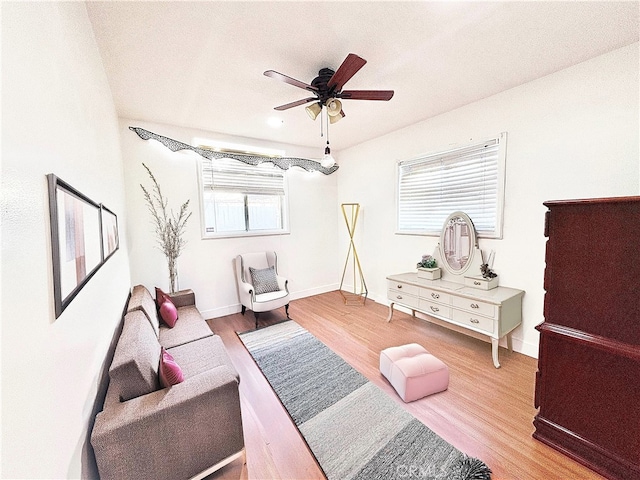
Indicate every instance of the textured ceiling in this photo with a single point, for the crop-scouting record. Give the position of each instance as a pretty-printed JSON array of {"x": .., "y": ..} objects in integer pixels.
[{"x": 201, "y": 64}]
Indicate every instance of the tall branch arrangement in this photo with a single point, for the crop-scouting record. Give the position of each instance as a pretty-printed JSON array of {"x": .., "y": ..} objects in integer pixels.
[{"x": 169, "y": 227}]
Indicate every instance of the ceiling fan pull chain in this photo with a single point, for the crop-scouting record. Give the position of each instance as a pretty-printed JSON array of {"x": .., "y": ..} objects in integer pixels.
[{"x": 326, "y": 119}]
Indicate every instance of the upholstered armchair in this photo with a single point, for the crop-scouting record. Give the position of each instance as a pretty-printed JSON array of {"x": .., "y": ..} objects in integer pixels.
[{"x": 260, "y": 288}]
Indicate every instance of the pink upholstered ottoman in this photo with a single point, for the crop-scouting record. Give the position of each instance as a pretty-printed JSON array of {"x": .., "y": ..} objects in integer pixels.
[{"x": 413, "y": 371}]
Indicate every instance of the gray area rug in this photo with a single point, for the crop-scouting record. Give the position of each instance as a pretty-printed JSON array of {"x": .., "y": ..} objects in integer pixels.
[{"x": 354, "y": 429}]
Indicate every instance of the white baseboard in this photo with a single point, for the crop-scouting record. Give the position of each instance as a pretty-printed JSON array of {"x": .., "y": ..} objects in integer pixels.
[
  {"x": 220, "y": 312},
  {"x": 236, "y": 307},
  {"x": 314, "y": 291},
  {"x": 526, "y": 348}
]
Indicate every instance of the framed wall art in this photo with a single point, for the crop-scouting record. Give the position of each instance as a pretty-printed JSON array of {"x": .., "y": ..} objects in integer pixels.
[
  {"x": 110, "y": 239},
  {"x": 76, "y": 240}
]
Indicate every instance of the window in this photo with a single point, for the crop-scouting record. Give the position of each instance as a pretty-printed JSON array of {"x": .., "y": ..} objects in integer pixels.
[
  {"x": 240, "y": 199},
  {"x": 469, "y": 179}
]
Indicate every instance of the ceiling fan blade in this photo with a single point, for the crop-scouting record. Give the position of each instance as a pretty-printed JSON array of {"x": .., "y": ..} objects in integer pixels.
[
  {"x": 286, "y": 106},
  {"x": 366, "y": 94},
  {"x": 348, "y": 69},
  {"x": 289, "y": 80}
]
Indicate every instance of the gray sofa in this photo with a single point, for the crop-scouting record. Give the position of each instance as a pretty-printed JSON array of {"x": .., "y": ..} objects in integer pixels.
[{"x": 185, "y": 431}]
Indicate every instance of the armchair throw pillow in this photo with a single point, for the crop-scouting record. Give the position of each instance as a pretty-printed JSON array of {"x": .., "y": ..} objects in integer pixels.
[{"x": 264, "y": 280}]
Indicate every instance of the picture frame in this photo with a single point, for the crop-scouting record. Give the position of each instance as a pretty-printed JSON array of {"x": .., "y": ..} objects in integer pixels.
[
  {"x": 76, "y": 240},
  {"x": 110, "y": 236}
]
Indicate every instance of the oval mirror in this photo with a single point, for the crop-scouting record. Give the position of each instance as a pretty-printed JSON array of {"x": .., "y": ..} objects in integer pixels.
[{"x": 457, "y": 243}]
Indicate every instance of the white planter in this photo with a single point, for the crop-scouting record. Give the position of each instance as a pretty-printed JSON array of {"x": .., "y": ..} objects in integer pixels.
[
  {"x": 481, "y": 283},
  {"x": 429, "y": 273}
]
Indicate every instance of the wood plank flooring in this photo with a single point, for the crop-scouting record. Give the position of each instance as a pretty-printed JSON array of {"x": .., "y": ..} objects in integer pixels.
[{"x": 486, "y": 412}]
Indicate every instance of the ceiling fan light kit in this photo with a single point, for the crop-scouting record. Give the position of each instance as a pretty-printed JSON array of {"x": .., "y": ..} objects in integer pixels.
[
  {"x": 334, "y": 107},
  {"x": 314, "y": 110},
  {"x": 336, "y": 118}
]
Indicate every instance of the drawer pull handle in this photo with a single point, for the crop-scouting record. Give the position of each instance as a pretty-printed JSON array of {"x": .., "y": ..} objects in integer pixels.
[
  {"x": 399, "y": 286},
  {"x": 474, "y": 320},
  {"x": 475, "y": 305},
  {"x": 475, "y": 282},
  {"x": 399, "y": 297},
  {"x": 434, "y": 309},
  {"x": 435, "y": 295}
]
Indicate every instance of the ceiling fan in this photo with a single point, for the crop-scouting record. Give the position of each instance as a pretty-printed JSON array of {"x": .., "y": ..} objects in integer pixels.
[{"x": 327, "y": 89}]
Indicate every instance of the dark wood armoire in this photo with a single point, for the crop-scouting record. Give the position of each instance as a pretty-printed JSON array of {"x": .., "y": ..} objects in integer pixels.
[{"x": 588, "y": 379}]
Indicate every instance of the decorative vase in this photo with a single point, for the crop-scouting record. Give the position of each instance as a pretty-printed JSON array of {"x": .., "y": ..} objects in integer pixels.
[
  {"x": 429, "y": 273},
  {"x": 173, "y": 275}
]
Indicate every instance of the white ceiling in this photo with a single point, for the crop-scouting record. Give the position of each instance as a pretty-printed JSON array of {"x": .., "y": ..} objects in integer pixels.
[{"x": 201, "y": 64}]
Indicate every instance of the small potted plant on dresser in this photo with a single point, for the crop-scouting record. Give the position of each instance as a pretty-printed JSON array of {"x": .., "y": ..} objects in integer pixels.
[
  {"x": 486, "y": 281},
  {"x": 428, "y": 268}
]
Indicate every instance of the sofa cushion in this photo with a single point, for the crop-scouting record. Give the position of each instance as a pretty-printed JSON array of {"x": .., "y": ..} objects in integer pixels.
[
  {"x": 191, "y": 326},
  {"x": 264, "y": 280},
  {"x": 168, "y": 313},
  {"x": 170, "y": 372},
  {"x": 202, "y": 355},
  {"x": 142, "y": 300},
  {"x": 134, "y": 370}
]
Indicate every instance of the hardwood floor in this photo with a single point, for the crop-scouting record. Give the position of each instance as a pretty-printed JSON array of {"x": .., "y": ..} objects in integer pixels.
[{"x": 486, "y": 412}]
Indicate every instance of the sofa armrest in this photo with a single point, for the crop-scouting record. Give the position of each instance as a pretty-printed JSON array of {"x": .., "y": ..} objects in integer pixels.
[
  {"x": 172, "y": 433},
  {"x": 183, "y": 298}
]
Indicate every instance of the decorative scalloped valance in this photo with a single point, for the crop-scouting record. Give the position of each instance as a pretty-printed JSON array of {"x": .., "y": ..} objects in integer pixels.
[{"x": 281, "y": 162}]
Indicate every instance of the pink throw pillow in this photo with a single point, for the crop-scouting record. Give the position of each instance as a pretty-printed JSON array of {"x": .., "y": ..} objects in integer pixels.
[
  {"x": 170, "y": 371},
  {"x": 161, "y": 297},
  {"x": 169, "y": 314}
]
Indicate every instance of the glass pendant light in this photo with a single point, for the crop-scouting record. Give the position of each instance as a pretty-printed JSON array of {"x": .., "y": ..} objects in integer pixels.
[{"x": 327, "y": 159}]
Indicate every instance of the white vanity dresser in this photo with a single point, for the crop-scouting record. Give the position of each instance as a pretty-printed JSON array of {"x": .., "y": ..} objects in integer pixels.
[{"x": 462, "y": 296}]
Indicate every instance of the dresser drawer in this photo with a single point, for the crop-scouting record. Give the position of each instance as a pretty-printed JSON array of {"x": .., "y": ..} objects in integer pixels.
[
  {"x": 474, "y": 306},
  {"x": 403, "y": 287},
  {"x": 434, "y": 296},
  {"x": 436, "y": 309},
  {"x": 470, "y": 320},
  {"x": 403, "y": 298}
]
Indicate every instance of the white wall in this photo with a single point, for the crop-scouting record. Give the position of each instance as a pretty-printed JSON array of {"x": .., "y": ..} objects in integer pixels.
[
  {"x": 572, "y": 134},
  {"x": 307, "y": 256},
  {"x": 58, "y": 117}
]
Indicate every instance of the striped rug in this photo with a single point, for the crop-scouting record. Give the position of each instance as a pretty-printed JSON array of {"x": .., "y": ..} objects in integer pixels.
[{"x": 354, "y": 429}]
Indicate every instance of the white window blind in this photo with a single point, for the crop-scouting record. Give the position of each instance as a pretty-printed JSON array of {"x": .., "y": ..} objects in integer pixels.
[
  {"x": 241, "y": 199},
  {"x": 232, "y": 175},
  {"x": 467, "y": 179}
]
